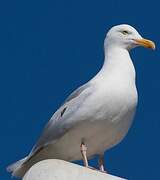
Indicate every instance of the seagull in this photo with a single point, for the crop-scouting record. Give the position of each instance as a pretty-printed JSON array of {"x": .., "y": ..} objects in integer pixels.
[{"x": 96, "y": 116}]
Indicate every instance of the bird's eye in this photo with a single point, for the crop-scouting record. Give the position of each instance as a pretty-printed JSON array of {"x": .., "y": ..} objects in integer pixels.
[{"x": 125, "y": 32}]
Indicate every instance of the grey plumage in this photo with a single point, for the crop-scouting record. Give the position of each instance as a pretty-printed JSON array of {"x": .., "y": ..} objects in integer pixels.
[{"x": 57, "y": 126}]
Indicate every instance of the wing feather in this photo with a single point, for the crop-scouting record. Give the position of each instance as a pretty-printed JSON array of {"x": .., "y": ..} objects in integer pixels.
[{"x": 58, "y": 125}]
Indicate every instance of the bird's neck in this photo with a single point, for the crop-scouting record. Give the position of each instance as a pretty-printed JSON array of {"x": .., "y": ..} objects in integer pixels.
[{"x": 118, "y": 64}]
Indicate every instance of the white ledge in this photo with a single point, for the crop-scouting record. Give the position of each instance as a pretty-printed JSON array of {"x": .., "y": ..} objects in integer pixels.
[{"x": 53, "y": 169}]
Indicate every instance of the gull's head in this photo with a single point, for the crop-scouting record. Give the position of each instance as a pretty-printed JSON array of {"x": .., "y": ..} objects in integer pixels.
[{"x": 127, "y": 37}]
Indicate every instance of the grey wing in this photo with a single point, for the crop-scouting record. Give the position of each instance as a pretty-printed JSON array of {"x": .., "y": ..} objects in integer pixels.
[{"x": 59, "y": 123}]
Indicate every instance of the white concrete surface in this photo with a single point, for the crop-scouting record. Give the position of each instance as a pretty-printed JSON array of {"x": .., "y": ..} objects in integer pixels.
[{"x": 53, "y": 169}]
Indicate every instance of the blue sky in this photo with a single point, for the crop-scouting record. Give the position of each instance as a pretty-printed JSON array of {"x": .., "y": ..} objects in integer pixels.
[{"x": 49, "y": 48}]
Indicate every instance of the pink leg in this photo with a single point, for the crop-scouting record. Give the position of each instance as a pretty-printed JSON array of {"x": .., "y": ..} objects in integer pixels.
[
  {"x": 84, "y": 154},
  {"x": 101, "y": 163}
]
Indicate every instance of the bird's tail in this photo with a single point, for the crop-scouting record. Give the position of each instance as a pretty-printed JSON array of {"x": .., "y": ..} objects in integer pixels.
[{"x": 18, "y": 168}]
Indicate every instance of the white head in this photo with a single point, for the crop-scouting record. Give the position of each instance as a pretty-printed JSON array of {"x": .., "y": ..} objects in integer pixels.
[{"x": 127, "y": 37}]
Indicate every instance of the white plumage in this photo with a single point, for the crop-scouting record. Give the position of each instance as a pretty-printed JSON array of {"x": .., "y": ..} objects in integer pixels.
[{"x": 98, "y": 113}]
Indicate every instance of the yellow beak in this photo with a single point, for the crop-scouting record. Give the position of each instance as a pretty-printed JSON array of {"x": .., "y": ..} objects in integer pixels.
[{"x": 145, "y": 43}]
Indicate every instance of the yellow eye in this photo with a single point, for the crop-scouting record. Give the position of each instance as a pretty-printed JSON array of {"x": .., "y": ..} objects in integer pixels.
[{"x": 125, "y": 32}]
